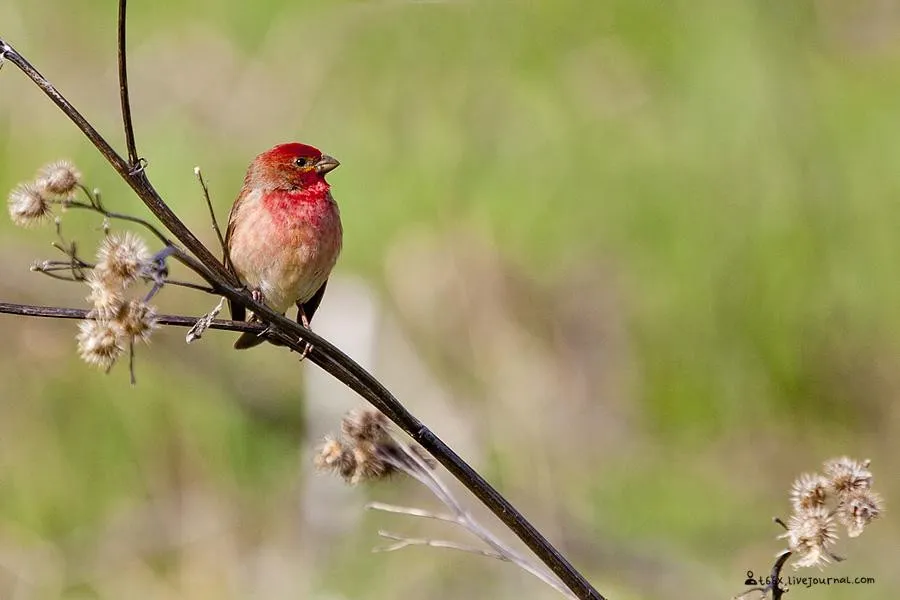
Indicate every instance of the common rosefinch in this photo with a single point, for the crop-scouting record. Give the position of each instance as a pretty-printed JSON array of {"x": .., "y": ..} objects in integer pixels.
[{"x": 284, "y": 232}]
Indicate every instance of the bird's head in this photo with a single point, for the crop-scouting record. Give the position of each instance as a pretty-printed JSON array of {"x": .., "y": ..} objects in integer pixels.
[{"x": 290, "y": 166}]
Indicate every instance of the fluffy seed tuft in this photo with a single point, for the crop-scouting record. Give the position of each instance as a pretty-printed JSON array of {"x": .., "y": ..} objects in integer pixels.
[
  {"x": 333, "y": 455},
  {"x": 59, "y": 178},
  {"x": 846, "y": 475},
  {"x": 121, "y": 259},
  {"x": 137, "y": 320},
  {"x": 99, "y": 343},
  {"x": 809, "y": 535},
  {"x": 367, "y": 451},
  {"x": 365, "y": 425},
  {"x": 858, "y": 509},
  {"x": 27, "y": 205},
  {"x": 106, "y": 296},
  {"x": 809, "y": 491}
]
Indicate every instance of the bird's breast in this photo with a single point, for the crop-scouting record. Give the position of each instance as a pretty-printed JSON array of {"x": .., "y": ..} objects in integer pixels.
[{"x": 287, "y": 249}]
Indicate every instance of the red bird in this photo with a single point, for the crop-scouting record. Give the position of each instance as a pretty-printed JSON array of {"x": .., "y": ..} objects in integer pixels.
[{"x": 284, "y": 232}]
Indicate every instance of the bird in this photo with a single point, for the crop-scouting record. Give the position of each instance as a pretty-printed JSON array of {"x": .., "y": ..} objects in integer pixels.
[{"x": 284, "y": 233}]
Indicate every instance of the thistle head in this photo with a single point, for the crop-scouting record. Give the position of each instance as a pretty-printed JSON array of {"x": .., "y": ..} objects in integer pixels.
[
  {"x": 59, "y": 178},
  {"x": 28, "y": 205}
]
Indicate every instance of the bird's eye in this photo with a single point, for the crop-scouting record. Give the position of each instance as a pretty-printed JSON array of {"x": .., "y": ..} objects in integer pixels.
[{"x": 300, "y": 162}]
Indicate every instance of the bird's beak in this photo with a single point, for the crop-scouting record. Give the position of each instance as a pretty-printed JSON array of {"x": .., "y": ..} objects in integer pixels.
[{"x": 326, "y": 164}]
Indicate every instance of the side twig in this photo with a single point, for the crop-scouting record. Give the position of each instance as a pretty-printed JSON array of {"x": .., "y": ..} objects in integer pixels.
[
  {"x": 133, "y": 159},
  {"x": 59, "y": 312},
  {"x": 212, "y": 212}
]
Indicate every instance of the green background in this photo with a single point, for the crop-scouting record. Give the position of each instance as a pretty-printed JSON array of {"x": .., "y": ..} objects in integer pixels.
[{"x": 644, "y": 252}]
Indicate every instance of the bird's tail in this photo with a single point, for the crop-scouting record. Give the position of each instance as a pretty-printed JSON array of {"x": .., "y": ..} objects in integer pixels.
[{"x": 248, "y": 339}]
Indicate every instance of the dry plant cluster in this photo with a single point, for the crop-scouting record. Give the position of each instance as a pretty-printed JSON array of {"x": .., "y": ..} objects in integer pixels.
[{"x": 841, "y": 494}]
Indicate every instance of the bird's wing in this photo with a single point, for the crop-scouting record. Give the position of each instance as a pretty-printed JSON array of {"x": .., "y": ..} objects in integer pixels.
[
  {"x": 310, "y": 306},
  {"x": 238, "y": 312}
]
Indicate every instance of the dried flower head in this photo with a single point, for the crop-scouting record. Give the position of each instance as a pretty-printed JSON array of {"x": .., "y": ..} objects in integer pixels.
[
  {"x": 121, "y": 259},
  {"x": 333, "y": 455},
  {"x": 809, "y": 535},
  {"x": 809, "y": 491},
  {"x": 369, "y": 465},
  {"x": 99, "y": 342},
  {"x": 27, "y": 205},
  {"x": 365, "y": 425},
  {"x": 858, "y": 509},
  {"x": 60, "y": 178},
  {"x": 137, "y": 320},
  {"x": 106, "y": 296},
  {"x": 846, "y": 475}
]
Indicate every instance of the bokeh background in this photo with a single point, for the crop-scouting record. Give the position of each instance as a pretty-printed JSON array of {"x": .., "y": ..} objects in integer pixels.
[{"x": 636, "y": 261}]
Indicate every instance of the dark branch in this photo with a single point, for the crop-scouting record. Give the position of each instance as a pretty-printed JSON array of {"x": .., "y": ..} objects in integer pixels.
[
  {"x": 123, "y": 90},
  {"x": 324, "y": 354},
  {"x": 31, "y": 310},
  {"x": 775, "y": 584},
  {"x": 137, "y": 179}
]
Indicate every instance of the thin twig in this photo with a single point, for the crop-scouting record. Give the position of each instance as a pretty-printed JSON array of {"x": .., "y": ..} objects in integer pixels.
[
  {"x": 413, "y": 465},
  {"x": 403, "y": 542},
  {"x": 324, "y": 354},
  {"x": 212, "y": 213},
  {"x": 122, "y": 217},
  {"x": 412, "y": 512},
  {"x": 53, "y": 312},
  {"x": 123, "y": 89}
]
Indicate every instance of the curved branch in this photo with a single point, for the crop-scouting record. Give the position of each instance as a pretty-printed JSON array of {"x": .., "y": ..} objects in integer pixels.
[
  {"x": 135, "y": 178},
  {"x": 324, "y": 354}
]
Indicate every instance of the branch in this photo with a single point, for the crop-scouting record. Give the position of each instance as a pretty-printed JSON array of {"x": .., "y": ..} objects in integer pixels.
[
  {"x": 212, "y": 213},
  {"x": 413, "y": 465},
  {"x": 136, "y": 179},
  {"x": 123, "y": 90},
  {"x": 296, "y": 337},
  {"x": 54, "y": 312}
]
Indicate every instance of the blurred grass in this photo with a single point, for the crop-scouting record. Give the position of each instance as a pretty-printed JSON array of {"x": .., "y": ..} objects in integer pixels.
[{"x": 735, "y": 162}]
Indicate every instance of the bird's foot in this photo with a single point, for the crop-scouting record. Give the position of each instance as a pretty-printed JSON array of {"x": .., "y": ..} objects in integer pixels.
[
  {"x": 306, "y": 350},
  {"x": 304, "y": 321}
]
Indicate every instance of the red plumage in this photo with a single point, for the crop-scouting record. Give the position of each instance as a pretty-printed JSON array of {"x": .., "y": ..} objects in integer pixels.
[{"x": 284, "y": 233}]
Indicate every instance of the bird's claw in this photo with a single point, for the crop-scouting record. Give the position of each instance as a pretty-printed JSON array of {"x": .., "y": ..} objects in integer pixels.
[{"x": 306, "y": 350}]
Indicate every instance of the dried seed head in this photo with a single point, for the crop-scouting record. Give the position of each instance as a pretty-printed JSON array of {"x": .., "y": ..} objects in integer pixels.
[
  {"x": 106, "y": 296},
  {"x": 809, "y": 535},
  {"x": 122, "y": 258},
  {"x": 27, "y": 205},
  {"x": 333, "y": 455},
  {"x": 369, "y": 466},
  {"x": 846, "y": 475},
  {"x": 809, "y": 491},
  {"x": 59, "y": 178},
  {"x": 99, "y": 343},
  {"x": 365, "y": 425},
  {"x": 137, "y": 320},
  {"x": 858, "y": 509}
]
